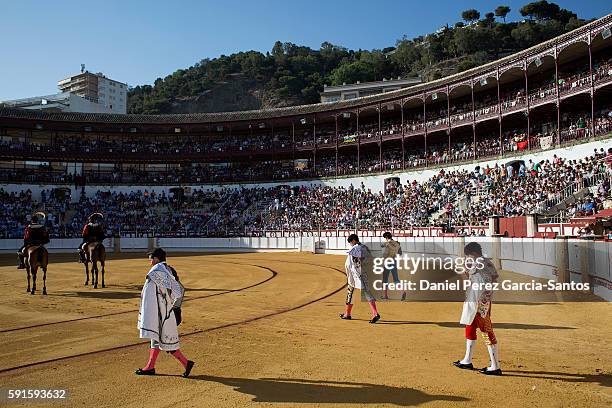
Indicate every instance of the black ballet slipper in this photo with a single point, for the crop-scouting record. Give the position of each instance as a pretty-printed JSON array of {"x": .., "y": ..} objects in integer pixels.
[
  {"x": 459, "y": 364},
  {"x": 190, "y": 365},
  {"x": 486, "y": 371},
  {"x": 140, "y": 371},
  {"x": 343, "y": 317},
  {"x": 375, "y": 319}
]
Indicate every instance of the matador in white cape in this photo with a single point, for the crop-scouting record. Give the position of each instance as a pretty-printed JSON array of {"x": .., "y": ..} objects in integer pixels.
[{"x": 476, "y": 312}]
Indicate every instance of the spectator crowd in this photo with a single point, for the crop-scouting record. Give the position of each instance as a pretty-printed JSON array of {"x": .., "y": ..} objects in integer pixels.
[{"x": 453, "y": 199}]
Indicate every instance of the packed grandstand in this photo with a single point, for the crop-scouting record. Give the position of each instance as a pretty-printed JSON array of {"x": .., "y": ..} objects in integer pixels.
[
  {"x": 554, "y": 95},
  {"x": 451, "y": 198}
]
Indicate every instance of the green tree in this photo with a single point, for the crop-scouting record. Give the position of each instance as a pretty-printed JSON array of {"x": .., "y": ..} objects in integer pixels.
[
  {"x": 470, "y": 41},
  {"x": 565, "y": 16},
  {"x": 525, "y": 35},
  {"x": 573, "y": 24},
  {"x": 540, "y": 10},
  {"x": 502, "y": 11},
  {"x": 470, "y": 15},
  {"x": 352, "y": 72},
  {"x": 406, "y": 55},
  {"x": 293, "y": 74}
]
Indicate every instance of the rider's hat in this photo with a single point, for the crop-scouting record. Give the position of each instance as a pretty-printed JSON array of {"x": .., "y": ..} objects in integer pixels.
[{"x": 37, "y": 215}]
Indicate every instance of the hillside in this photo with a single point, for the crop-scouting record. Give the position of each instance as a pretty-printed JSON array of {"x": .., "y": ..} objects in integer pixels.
[{"x": 291, "y": 74}]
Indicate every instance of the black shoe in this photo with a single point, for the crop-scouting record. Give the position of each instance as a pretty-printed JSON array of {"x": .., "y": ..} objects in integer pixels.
[
  {"x": 375, "y": 319},
  {"x": 140, "y": 371},
  {"x": 21, "y": 266},
  {"x": 486, "y": 371},
  {"x": 458, "y": 364},
  {"x": 190, "y": 365},
  {"x": 343, "y": 317}
]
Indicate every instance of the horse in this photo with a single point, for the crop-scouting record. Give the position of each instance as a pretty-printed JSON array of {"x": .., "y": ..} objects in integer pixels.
[
  {"x": 37, "y": 256},
  {"x": 94, "y": 253}
]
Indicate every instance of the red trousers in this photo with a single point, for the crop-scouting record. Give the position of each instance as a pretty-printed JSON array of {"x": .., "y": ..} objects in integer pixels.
[{"x": 485, "y": 326}]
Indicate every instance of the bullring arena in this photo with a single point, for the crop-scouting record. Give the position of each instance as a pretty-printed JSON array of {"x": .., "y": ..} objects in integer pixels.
[
  {"x": 255, "y": 210},
  {"x": 263, "y": 328}
]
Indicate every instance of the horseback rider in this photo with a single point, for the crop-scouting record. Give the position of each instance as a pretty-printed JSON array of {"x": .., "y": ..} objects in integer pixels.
[
  {"x": 35, "y": 234},
  {"x": 93, "y": 231}
]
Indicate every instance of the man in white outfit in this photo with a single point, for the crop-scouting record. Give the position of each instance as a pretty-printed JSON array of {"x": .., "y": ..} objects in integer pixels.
[
  {"x": 477, "y": 310},
  {"x": 161, "y": 296},
  {"x": 359, "y": 262},
  {"x": 391, "y": 249}
]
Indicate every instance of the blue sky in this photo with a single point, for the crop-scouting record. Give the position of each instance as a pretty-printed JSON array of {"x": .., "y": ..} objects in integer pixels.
[{"x": 139, "y": 41}]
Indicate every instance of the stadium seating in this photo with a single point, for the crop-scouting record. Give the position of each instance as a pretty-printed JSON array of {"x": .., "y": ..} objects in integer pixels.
[{"x": 451, "y": 198}]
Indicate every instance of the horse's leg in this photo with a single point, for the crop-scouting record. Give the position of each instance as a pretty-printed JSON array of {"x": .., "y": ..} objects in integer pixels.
[
  {"x": 86, "y": 272},
  {"x": 94, "y": 274},
  {"x": 102, "y": 263},
  {"x": 34, "y": 271},
  {"x": 44, "y": 268},
  {"x": 28, "y": 272}
]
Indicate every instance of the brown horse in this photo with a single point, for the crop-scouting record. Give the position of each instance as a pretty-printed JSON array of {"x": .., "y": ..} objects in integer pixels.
[
  {"x": 94, "y": 253},
  {"x": 37, "y": 256}
]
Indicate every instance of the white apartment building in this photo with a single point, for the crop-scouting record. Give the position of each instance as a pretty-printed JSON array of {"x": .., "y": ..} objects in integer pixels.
[
  {"x": 97, "y": 88},
  {"x": 84, "y": 92}
]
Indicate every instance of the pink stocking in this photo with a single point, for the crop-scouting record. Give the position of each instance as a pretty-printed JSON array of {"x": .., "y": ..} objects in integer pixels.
[
  {"x": 152, "y": 358},
  {"x": 180, "y": 357},
  {"x": 373, "y": 307},
  {"x": 348, "y": 309}
]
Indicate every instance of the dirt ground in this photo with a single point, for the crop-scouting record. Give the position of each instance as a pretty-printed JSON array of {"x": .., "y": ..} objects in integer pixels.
[{"x": 264, "y": 330}]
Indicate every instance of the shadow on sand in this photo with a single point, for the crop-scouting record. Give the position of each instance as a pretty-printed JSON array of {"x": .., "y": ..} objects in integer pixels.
[
  {"x": 291, "y": 390},
  {"x": 101, "y": 294},
  {"x": 188, "y": 289},
  {"x": 605, "y": 380},
  {"x": 515, "y": 326}
]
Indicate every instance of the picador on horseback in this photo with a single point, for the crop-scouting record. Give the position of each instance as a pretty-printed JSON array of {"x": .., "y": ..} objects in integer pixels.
[
  {"x": 35, "y": 234},
  {"x": 93, "y": 231}
]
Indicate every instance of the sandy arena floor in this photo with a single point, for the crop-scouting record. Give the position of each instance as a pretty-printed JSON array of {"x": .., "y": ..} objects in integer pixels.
[{"x": 264, "y": 331}]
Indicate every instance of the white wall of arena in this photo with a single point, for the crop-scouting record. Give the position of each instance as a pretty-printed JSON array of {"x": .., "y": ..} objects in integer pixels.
[{"x": 586, "y": 261}]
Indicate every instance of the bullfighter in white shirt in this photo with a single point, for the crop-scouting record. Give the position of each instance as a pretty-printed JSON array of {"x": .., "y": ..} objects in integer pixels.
[
  {"x": 161, "y": 297},
  {"x": 477, "y": 310}
]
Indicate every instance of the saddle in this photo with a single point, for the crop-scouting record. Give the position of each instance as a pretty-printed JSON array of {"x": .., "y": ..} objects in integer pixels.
[
  {"x": 93, "y": 244},
  {"x": 31, "y": 248},
  {"x": 29, "y": 251}
]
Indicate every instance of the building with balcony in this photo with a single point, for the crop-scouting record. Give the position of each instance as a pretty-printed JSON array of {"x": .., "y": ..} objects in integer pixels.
[
  {"x": 558, "y": 93},
  {"x": 60, "y": 102},
  {"x": 351, "y": 91}
]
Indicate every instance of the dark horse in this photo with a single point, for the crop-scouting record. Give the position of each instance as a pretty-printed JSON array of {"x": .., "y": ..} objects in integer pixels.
[
  {"x": 94, "y": 253},
  {"x": 37, "y": 256}
]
